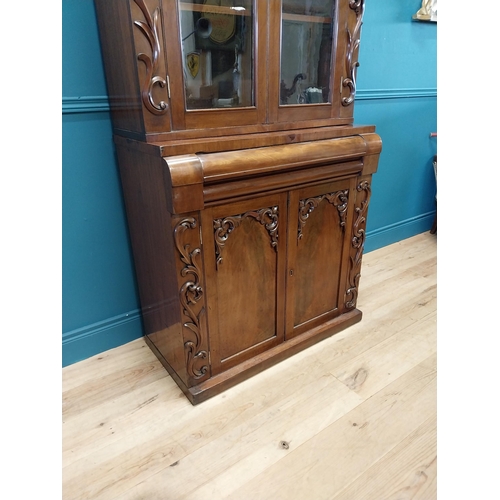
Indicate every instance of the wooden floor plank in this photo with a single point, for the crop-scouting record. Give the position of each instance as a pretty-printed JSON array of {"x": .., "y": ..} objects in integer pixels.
[
  {"x": 336, "y": 456},
  {"x": 111, "y": 385},
  {"x": 305, "y": 410},
  {"x": 408, "y": 471},
  {"x": 189, "y": 428},
  {"x": 101, "y": 365},
  {"x": 104, "y": 424},
  {"x": 385, "y": 362},
  {"x": 130, "y": 433},
  {"x": 398, "y": 354}
]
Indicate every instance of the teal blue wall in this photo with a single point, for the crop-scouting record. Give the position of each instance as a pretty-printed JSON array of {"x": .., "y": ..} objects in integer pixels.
[{"x": 396, "y": 92}]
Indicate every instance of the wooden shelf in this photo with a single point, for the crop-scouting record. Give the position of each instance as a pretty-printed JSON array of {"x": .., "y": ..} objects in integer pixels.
[
  {"x": 304, "y": 18},
  {"x": 215, "y": 9}
]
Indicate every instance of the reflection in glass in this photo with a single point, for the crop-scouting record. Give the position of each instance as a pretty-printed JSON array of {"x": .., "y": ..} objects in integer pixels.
[
  {"x": 217, "y": 53},
  {"x": 306, "y": 48}
]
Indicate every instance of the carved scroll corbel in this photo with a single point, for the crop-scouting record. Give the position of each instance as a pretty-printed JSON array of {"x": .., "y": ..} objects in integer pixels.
[
  {"x": 268, "y": 217},
  {"x": 190, "y": 294},
  {"x": 353, "y": 40},
  {"x": 357, "y": 243},
  {"x": 150, "y": 31}
]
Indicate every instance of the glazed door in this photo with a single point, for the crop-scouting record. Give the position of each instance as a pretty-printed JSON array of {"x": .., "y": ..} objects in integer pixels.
[
  {"x": 215, "y": 79},
  {"x": 244, "y": 245},
  {"x": 302, "y": 69},
  {"x": 318, "y": 251},
  {"x": 313, "y": 60}
]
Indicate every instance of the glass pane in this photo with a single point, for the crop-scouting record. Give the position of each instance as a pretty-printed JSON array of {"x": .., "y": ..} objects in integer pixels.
[
  {"x": 217, "y": 52},
  {"x": 306, "y": 48}
]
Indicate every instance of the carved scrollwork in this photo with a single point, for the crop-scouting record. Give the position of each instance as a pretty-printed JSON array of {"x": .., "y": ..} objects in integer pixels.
[
  {"x": 358, "y": 243},
  {"x": 190, "y": 294},
  {"x": 150, "y": 31},
  {"x": 353, "y": 40},
  {"x": 338, "y": 199},
  {"x": 268, "y": 217}
]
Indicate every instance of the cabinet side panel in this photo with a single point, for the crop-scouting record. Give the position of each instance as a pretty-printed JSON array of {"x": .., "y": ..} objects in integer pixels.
[
  {"x": 131, "y": 37},
  {"x": 154, "y": 254},
  {"x": 118, "y": 53}
]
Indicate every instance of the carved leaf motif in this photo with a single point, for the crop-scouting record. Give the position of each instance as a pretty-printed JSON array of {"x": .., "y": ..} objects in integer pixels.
[
  {"x": 306, "y": 208},
  {"x": 190, "y": 294},
  {"x": 268, "y": 217},
  {"x": 150, "y": 31},
  {"x": 358, "y": 243},
  {"x": 338, "y": 199},
  {"x": 353, "y": 41}
]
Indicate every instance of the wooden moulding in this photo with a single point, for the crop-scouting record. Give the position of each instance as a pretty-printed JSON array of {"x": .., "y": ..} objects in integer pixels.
[
  {"x": 197, "y": 179},
  {"x": 280, "y": 181},
  {"x": 220, "y": 167},
  {"x": 226, "y": 139}
]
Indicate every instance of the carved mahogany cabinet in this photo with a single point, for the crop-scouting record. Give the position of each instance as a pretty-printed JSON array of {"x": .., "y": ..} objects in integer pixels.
[{"x": 246, "y": 183}]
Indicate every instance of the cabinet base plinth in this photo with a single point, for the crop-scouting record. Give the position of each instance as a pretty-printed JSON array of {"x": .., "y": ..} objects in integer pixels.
[{"x": 227, "y": 379}]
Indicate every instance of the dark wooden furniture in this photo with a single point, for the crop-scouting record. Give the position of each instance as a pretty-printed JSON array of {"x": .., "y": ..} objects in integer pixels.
[
  {"x": 245, "y": 181},
  {"x": 434, "y": 224}
]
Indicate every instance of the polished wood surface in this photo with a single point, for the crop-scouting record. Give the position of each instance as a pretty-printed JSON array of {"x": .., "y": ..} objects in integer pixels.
[
  {"x": 231, "y": 139},
  {"x": 240, "y": 253},
  {"x": 318, "y": 253},
  {"x": 145, "y": 71},
  {"x": 352, "y": 417},
  {"x": 247, "y": 218},
  {"x": 246, "y": 268}
]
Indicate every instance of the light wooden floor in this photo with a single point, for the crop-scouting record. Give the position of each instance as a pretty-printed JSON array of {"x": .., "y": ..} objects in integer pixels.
[{"x": 357, "y": 411}]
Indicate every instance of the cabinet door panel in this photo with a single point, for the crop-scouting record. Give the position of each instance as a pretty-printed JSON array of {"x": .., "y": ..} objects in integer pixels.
[
  {"x": 248, "y": 268},
  {"x": 304, "y": 84},
  {"x": 246, "y": 282},
  {"x": 316, "y": 254}
]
